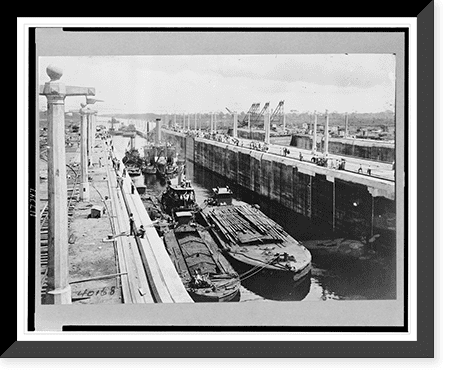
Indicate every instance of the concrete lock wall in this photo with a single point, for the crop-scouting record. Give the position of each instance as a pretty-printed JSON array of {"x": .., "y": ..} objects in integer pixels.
[
  {"x": 365, "y": 149},
  {"x": 326, "y": 202},
  {"x": 351, "y": 147}
]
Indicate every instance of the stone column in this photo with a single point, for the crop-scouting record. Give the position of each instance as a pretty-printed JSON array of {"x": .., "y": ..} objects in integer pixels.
[
  {"x": 55, "y": 92},
  {"x": 325, "y": 144},
  {"x": 89, "y": 139},
  {"x": 314, "y": 134},
  {"x": 92, "y": 118},
  {"x": 267, "y": 128},
  {"x": 84, "y": 185},
  {"x": 235, "y": 125}
]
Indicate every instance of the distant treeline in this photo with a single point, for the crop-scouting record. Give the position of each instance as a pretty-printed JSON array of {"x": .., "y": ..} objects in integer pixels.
[{"x": 223, "y": 118}]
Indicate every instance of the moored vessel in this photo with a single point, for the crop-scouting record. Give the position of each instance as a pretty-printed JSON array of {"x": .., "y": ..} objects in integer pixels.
[
  {"x": 178, "y": 197},
  {"x": 133, "y": 170},
  {"x": 253, "y": 240},
  {"x": 204, "y": 271}
]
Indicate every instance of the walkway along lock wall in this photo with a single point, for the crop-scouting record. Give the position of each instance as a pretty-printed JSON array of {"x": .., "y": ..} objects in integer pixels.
[
  {"x": 346, "y": 203},
  {"x": 382, "y": 151}
]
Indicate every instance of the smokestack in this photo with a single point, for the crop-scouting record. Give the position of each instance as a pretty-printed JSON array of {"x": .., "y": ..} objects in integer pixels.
[
  {"x": 180, "y": 174},
  {"x": 133, "y": 142},
  {"x": 157, "y": 134}
]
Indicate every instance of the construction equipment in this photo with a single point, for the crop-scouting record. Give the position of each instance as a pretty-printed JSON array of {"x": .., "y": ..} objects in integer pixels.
[
  {"x": 250, "y": 113},
  {"x": 258, "y": 121},
  {"x": 278, "y": 116}
]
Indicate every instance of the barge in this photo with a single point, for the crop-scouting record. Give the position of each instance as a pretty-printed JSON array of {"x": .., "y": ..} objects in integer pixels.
[
  {"x": 251, "y": 239},
  {"x": 204, "y": 271}
]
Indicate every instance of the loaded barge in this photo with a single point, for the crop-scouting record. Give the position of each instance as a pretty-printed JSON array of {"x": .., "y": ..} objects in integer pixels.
[
  {"x": 204, "y": 271},
  {"x": 253, "y": 241}
]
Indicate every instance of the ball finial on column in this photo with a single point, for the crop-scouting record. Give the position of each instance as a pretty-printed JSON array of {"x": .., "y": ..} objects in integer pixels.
[{"x": 54, "y": 73}]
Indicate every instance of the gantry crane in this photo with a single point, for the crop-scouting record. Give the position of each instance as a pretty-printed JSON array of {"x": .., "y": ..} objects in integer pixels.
[
  {"x": 278, "y": 114},
  {"x": 257, "y": 120},
  {"x": 251, "y": 112}
]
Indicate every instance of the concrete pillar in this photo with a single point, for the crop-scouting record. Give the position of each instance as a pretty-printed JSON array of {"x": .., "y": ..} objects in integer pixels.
[
  {"x": 283, "y": 116},
  {"x": 235, "y": 125},
  {"x": 211, "y": 126},
  {"x": 314, "y": 134},
  {"x": 55, "y": 92},
  {"x": 346, "y": 125},
  {"x": 325, "y": 149},
  {"x": 267, "y": 128},
  {"x": 84, "y": 188},
  {"x": 215, "y": 122}
]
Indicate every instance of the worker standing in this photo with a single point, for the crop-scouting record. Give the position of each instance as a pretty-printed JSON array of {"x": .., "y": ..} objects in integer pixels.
[{"x": 131, "y": 225}]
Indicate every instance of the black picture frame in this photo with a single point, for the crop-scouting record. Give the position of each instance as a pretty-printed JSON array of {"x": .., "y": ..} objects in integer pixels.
[{"x": 423, "y": 347}]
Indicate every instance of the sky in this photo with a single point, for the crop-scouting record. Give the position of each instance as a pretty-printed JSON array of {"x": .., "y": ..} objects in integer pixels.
[{"x": 210, "y": 83}]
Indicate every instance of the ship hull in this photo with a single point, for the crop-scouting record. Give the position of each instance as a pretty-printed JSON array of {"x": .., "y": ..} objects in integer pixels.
[
  {"x": 193, "y": 252},
  {"x": 273, "y": 284},
  {"x": 249, "y": 237},
  {"x": 267, "y": 266}
]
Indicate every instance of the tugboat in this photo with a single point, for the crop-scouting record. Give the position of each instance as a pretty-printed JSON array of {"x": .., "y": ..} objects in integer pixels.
[
  {"x": 253, "y": 241},
  {"x": 179, "y": 197},
  {"x": 132, "y": 158},
  {"x": 204, "y": 271},
  {"x": 133, "y": 170}
]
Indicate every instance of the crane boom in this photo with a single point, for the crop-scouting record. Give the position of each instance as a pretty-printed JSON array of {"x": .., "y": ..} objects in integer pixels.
[{"x": 278, "y": 112}]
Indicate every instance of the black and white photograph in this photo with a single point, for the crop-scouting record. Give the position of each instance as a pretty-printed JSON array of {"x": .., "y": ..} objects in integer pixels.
[
  {"x": 179, "y": 190},
  {"x": 221, "y": 183}
]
